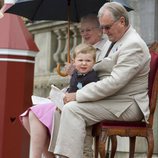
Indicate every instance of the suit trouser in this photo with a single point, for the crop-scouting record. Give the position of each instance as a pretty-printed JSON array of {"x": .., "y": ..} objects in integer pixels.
[
  {"x": 77, "y": 116},
  {"x": 88, "y": 142},
  {"x": 88, "y": 152},
  {"x": 54, "y": 133}
]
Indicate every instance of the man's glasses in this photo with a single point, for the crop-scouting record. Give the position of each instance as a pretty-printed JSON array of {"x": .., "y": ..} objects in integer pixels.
[{"x": 107, "y": 27}]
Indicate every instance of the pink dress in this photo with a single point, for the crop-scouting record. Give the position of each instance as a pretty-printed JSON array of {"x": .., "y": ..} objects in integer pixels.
[{"x": 44, "y": 112}]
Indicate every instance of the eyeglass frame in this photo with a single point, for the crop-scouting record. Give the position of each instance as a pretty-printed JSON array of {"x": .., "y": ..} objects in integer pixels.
[
  {"x": 108, "y": 27},
  {"x": 88, "y": 30}
]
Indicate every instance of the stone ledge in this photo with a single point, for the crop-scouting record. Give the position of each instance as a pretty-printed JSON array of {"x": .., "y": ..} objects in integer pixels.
[{"x": 42, "y": 84}]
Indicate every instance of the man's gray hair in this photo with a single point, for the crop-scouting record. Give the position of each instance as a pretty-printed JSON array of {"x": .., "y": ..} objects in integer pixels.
[{"x": 117, "y": 11}]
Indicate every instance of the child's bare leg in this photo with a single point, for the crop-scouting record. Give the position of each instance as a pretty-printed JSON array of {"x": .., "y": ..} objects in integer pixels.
[
  {"x": 38, "y": 136},
  {"x": 26, "y": 123}
]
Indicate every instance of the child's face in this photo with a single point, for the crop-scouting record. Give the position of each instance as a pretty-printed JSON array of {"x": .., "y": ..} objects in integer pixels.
[{"x": 84, "y": 62}]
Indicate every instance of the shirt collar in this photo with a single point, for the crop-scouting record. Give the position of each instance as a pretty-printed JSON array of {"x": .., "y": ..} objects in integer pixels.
[{"x": 99, "y": 44}]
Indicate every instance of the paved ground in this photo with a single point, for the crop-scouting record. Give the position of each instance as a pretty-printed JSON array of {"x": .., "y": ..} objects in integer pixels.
[{"x": 120, "y": 155}]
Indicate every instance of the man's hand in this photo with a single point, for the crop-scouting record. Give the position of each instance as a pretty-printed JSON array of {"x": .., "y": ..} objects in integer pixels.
[{"x": 69, "y": 97}]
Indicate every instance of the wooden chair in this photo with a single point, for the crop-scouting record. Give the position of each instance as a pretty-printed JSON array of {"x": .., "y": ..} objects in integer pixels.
[{"x": 111, "y": 129}]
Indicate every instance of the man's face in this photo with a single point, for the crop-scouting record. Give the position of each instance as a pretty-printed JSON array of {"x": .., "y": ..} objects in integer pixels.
[
  {"x": 114, "y": 29},
  {"x": 90, "y": 33}
]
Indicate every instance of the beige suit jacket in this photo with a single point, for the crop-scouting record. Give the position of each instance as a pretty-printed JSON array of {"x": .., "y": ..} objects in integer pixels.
[{"x": 123, "y": 76}]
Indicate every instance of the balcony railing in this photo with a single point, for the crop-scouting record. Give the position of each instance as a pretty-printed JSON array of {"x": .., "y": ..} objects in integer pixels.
[{"x": 52, "y": 40}]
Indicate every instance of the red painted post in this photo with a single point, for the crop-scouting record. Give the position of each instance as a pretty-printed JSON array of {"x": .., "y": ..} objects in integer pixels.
[{"x": 17, "y": 56}]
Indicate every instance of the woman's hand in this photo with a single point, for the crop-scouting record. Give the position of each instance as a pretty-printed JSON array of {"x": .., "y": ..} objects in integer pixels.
[
  {"x": 69, "y": 97},
  {"x": 69, "y": 68}
]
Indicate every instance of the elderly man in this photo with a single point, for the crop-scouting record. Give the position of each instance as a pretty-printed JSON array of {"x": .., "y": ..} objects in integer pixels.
[{"x": 121, "y": 90}]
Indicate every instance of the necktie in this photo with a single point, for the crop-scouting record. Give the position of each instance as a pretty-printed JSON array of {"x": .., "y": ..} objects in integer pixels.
[{"x": 109, "y": 49}]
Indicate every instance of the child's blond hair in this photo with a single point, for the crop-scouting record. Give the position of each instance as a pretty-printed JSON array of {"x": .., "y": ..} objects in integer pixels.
[{"x": 84, "y": 49}]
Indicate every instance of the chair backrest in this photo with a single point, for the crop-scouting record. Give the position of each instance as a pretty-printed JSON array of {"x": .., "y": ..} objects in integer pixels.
[{"x": 153, "y": 85}]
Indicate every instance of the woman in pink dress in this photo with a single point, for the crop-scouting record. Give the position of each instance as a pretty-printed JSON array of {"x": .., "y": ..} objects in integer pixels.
[{"x": 38, "y": 121}]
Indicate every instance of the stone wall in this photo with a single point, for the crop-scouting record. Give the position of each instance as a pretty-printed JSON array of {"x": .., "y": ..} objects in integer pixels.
[{"x": 51, "y": 38}]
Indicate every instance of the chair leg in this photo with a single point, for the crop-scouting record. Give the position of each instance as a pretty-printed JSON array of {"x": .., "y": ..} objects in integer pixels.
[
  {"x": 114, "y": 146},
  {"x": 102, "y": 149},
  {"x": 107, "y": 149},
  {"x": 150, "y": 140},
  {"x": 102, "y": 142},
  {"x": 132, "y": 146},
  {"x": 96, "y": 146}
]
